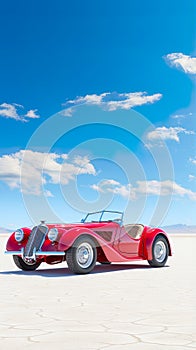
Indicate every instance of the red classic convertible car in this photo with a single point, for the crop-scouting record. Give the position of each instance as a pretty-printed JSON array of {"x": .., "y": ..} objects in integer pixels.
[{"x": 100, "y": 237}]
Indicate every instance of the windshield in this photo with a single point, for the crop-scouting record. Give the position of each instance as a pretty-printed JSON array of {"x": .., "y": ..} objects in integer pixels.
[{"x": 104, "y": 216}]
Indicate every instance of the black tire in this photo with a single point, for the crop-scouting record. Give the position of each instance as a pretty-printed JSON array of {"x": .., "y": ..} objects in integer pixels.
[
  {"x": 21, "y": 264},
  {"x": 82, "y": 256},
  {"x": 160, "y": 252}
]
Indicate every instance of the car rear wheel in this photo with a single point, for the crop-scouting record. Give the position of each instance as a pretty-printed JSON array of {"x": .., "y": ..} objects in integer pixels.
[
  {"x": 160, "y": 252},
  {"x": 21, "y": 264},
  {"x": 81, "y": 257}
]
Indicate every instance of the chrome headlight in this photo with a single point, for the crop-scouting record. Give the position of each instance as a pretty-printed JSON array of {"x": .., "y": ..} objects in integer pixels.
[
  {"x": 52, "y": 234},
  {"x": 19, "y": 235}
]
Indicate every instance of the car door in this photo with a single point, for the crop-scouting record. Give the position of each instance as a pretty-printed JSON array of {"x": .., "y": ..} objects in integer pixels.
[{"x": 127, "y": 245}]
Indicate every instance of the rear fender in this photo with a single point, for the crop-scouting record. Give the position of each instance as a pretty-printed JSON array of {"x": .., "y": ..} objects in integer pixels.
[{"x": 146, "y": 244}]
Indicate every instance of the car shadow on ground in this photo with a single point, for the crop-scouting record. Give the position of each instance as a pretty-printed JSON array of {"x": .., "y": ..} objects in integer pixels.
[{"x": 65, "y": 272}]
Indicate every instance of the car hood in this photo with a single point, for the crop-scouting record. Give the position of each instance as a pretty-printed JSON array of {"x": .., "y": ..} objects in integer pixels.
[{"x": 90, "y": 225}]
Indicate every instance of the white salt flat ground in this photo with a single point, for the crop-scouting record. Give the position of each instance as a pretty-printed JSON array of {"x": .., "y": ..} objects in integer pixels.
[{"x": 115, "y": 307}]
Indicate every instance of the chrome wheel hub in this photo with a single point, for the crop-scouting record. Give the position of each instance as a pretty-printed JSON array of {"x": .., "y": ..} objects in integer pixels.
[
  {"x": 160, "y": 251},
  {"x": 84, "y": 255}
]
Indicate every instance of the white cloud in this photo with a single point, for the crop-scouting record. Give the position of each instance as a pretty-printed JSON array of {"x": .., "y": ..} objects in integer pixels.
[
  {"x": 36, "y": 169},
  {"x": 13, "y": 111},
  {"x": 182, "y": 116},
  {"x": 114, "y": 187},
  {"x": 48, "y": 194},
  {"x": 110, "y": 182},
  {"x": 124, "y": 190},
  {"x": 32, "y": 114},
  {"x": 192, "y": 160},
  {"x": 192, "y": 177},
  {"x": 184, "y": 62},
  {"x": 9, "y": 111},
  {"x": 97, "y": 188},
  {"x": 164, "y": 133},
  {"x": 163, "y": 188},
  {"x": 113, "y": 101},
  {"x": 152, "y": 187},
  {"x": 68, "y": 112}
]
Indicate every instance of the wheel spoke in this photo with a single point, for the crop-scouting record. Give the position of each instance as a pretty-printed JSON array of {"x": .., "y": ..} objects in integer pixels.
[
  {"x": 84, "y": 255},
  {"x": 160, "y": 251}
]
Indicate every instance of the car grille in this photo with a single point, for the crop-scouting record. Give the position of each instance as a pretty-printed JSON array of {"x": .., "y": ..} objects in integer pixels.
[{"x": 36, "y": 239}]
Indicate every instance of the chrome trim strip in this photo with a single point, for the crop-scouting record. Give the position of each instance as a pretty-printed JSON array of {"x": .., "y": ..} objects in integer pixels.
[{"x": 20, "y": 252}]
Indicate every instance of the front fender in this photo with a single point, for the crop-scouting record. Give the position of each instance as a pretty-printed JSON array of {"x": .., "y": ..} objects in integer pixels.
[
  {"x": 69, "y": 237},
  {"x": 12, "y": 244}
]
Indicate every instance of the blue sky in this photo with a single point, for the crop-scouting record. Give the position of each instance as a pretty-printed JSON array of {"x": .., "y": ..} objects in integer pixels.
[{"x": 101, "y": 96}]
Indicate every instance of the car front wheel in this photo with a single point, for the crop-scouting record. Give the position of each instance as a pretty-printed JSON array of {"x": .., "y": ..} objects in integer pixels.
[
  {"x": 160, "y": 252},
  {"x": 81, "y": 257},
  {"x": 21, "y": 264}
]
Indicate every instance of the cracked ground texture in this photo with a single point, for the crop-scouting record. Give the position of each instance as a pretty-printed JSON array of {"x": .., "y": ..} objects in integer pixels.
[{"x": 115, "y": 307}]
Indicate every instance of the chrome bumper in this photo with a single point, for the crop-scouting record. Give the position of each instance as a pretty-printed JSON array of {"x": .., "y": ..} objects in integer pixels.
[{"x": 39, "y": 252}]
